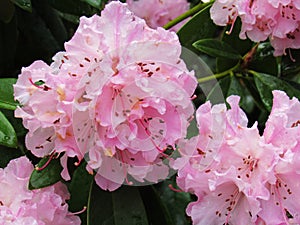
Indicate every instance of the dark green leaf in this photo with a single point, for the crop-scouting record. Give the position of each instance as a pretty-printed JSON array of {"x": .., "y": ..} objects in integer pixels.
[
  {"x": 263, "y": 59},
  {"x": 7, "y": 154},
  {"x": 94, "y": 3},
  {"x": 15, "y": 122},
  {"x": 7, "y": 94},
  {"x": 216, "y": 48},
  {"x": 233, "y": 39},
  {"x": 24, "y": 4},
  {"x": 7, "y": 10},
  {"x": 8, "y": 135},
  {"x": 121, "y": 207},
  {"x": 266, "y": 83},
  {"x": 199, "y": 27},
  {"x": 47, "y": 176},
  {"x": 157, "y": 211},
  {"x": 128, "y": 207},
  {"x": 176, "y": 202},
  {"x": 79, "y": 189},
  {"x": 100, "y": 207},
  {"x": 77, "y": 7}
]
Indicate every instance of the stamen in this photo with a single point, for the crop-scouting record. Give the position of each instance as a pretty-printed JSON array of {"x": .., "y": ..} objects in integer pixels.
[
  {"x": 174, "y": 189},
  {"x": 47, "y": 163},
  {"x": 76, "y": 213}
]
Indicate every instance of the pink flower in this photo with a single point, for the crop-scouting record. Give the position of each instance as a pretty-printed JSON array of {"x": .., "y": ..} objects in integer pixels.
[
  {"x": 145, "y": 88},
  {"x": 276, "y": 20},
  {"x": 18, "y": 205},
  {"x": 119, "y": 94},
  {"x": 237, "y": 174},
  {"x": 157, "y": 13}
]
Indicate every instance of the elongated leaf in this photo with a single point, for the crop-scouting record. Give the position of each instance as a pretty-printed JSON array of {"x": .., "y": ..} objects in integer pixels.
[
  {"x": 233, "y": 40},
  {"x": 79, "y": 189},
  {"x": 8, "y": 135},
  {"x": 121, "y": 207},
  {"x": 263, "y": 59},
  {"x": 94, "y": 3},
  {"x": 7, "y": 10},
  {"x": 24, "y": 4},
  {"x": 199, "y": 27},
  {"x": 128, "y": 207},
  {"x": 7, "y": 154},
  {"x": 216, "y": 48},
  {"x": 47, "y": 176},
  {"x": 266, "y": 83},
  {"x": 100, "y": 207},
  {"x": 7, "y": 94}
]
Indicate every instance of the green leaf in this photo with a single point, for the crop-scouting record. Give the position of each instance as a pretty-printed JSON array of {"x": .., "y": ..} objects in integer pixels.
[
  {"x": 79, "y": 189},
  {"x": 8, "y": 135},
  {"x": 174, "y": 202},
  {"x": 7, "y": 154},
  {"x": 121, "y": 207},
  {"x": 233, "y": 40},
  {"x": 263, "y": 59},
  {"x": 23, "y": 4},
  {"x": 47, "y": 176},
  {"x": 216, "y": 48},
  {"x": 199, "y": 27},
  {"x": 7, "y": 94},
  {"x": 7, "y": 10},
  {"x": 266, "y": 83},
  {"x": 156, "y": 209},
  {"x": 95, "y": 3}
]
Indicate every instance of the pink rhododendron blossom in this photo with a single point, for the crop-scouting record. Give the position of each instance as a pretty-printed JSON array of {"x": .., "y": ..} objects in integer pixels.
[
  {"x": 20, "y": 206},
  {"x": 277, "y": 20},
  {"x": 157, "y": 13},
  {"x": 120, "y": 96},
  {"x": 238, "y": 175}
]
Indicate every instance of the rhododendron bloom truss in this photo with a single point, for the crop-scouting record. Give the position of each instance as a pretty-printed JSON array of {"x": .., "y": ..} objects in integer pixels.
[
  {"x": 120, "y": 97},
  {"x": 20, "y": 206},
  {"x": 238, "y": 175},
  {"x": 276, "y": 20}
]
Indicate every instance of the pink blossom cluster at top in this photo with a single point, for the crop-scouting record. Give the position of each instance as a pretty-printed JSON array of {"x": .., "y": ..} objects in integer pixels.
[
  {"x": 158, "y": 13},
  {"x": 277, "y": 20},
  {"x": 118, "y": 97},
  {"x": 238, "y": 175},
  {"x": 20, "y": 206}
]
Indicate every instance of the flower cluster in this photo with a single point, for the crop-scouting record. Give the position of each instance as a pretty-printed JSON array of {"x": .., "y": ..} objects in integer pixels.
[
  {"x": 238, "y": 175},
  {"x": 118, "y": 96},
  {"x": 277, "y": 20},
  {"x": 20, "y": 206},
  {"x": 157, "y": 13}
]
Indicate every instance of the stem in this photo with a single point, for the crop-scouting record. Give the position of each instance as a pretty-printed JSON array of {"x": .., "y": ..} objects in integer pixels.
[
  {"x": 218, "y": 75},
  {"x": 187, "y": 14}
]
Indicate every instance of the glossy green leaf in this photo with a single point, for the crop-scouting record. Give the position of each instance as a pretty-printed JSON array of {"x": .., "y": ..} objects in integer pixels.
[
  {"x": 266, "y": 83},
  {"x": 7, "y": 94},
  {"x": 156, "y": 209},
  {"x": 7, "y": 10},
  {"x": 8, "y": 135},
  {"x": 47, "y": 176},
  {"x": 263, "y": 59},
  {"x": 77, "y": 7},
  {"x": 7, "y": 154},
  {"x": 23, "y": 4},
  {"x": 79, "y": 189},
  {"x": 121, "y": 207},
  {"x": 231, "y": 85},
  {"x": 175, "y": 202},
  {"x": 94, "y": 3},
  {"x": 216, "y": 48},
  {"x": 199, "y": 27},
  {"x": 233, "y": 39}
]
